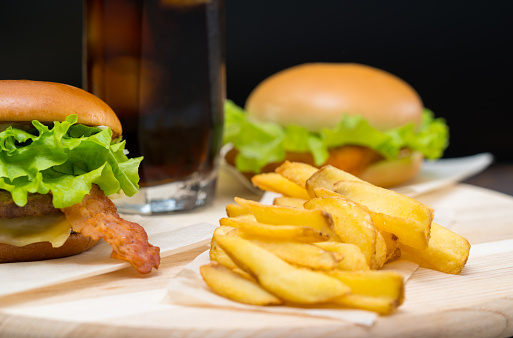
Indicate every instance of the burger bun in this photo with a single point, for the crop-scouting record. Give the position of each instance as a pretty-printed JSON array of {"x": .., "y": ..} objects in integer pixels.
[
  {"x": 23, "y": 101},
  {"x": 317, "y": 95},
  {"x": 75, "y": 244}
]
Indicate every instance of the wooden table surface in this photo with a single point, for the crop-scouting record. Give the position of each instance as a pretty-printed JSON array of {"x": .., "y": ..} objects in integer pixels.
[
  {"x": 476, "y": 303},
  {"x": 498, "y": 177}
]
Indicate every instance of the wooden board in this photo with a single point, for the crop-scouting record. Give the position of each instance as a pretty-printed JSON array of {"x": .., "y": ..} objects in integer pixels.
[{"x": 476, "y": 303}]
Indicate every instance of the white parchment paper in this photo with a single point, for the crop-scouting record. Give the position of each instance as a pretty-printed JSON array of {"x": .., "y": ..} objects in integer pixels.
[
  {"x": 189, "y": 289},
  {"x": 24, "y": 276}
]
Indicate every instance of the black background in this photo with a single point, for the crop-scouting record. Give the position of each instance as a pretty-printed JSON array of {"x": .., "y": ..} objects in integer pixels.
[{"x": 456, "y": 54}]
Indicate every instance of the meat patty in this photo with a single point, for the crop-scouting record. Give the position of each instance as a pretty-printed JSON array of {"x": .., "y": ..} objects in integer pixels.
[{"x": 37, "y": 205}]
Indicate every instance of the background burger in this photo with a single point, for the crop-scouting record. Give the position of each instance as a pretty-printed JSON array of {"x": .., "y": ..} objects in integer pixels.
[
  {"x": 355, "y": 117},
  {"x": 61, "y": 154}
]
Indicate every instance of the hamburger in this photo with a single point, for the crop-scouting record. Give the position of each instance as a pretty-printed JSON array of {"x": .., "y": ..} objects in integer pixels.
[
  {"x": 61, "y": 155},
  {"x": 358, "y": 118}
]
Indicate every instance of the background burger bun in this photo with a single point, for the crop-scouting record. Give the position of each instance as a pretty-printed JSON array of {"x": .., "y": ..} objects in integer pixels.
[
  {"x": 317, "y": 95},
  {"x": 25, "y": 100},
  {"x": 75, "y": 244}
]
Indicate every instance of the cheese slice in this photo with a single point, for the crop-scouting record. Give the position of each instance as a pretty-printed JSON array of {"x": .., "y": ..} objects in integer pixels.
[{"x": 27, "y": 230}]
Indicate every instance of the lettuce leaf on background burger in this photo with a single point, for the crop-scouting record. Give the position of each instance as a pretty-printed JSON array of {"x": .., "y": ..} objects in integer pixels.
[{"x": 358, "y": 118}]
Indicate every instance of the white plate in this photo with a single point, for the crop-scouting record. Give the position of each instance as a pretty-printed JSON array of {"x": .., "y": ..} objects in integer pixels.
[{"x": 441, "y": 173}]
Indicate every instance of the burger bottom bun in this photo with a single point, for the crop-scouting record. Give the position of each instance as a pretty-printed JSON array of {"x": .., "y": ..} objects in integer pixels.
[
  {"x": 356, "y": 160},
  {"x": 75, "y": 244},
  {"x": 393, "y": 172}
]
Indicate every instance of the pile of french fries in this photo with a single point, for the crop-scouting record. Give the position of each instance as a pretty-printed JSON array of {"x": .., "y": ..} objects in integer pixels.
[{"x": 322, "y": 242}]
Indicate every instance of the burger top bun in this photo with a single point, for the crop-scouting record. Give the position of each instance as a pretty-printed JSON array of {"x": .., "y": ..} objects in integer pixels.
[
  {"x": 316, "y": 95},
  {"x": 24, "y": 100}
]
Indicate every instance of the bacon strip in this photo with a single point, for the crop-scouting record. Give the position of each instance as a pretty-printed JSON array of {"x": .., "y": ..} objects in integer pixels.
[{"x": 96, "y": 217}]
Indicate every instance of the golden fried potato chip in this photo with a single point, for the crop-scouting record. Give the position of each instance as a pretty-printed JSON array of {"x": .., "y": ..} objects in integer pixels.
[
  {"x": 234, "y": 210},
  {"x": 296, "y": 172},
  {"x": 292, "y": 202},
  {"x": 326, "y": 177},
  {"x": 381, "y": 305},
  {"x": 385, "y": 201},
  {"x": 354, "y": 259},
  {"x": 396, "y": 207},
  {"x": 292, "y": 284},
  {"x": 381, "y": 251},
  {"x": 218, "y": 255},
  {"x": 378, "y": 291},
  {"x": 409, "y": 231},
  {"x": 390, "y": 242},
  {"x": 281, "y": 215},
  {"x": 282, "y": 232},
  {"x": 231, "y": 285},
  {"x": 447, "y": 251},
  {"x": 351, "y": 223},
  {"x": 301, "y": 254},
  {"x": 276, "y": 183},
  {"x": 373, "y": 283}
]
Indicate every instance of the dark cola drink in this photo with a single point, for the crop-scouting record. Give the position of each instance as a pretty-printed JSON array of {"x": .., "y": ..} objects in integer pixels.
[{"x": 160, "y": 65}]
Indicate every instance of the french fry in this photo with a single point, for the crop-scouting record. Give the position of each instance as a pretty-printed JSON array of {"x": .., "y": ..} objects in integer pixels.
[
  {"x": 391, "y": 243},
  {"x": 223, "y": 229},
  {"x": 400, "y": 210},
  {"x": 326, "y": 177},
  {"x": 229, "y": 284},
  {"x": 385, "y": 201},
  {"x": 373, "y": 283},
  {"x": 409, "y": 231},
  {"x": 280, "y": 215},
  {"x": 296, "y": 172},
  {"x": 234, "y": 210},
  {"x": 323, "y": 239},
  {"x": 229, "y": 222},
  {"x": 381, "y": 251},
  {"x": 378, "y": 291},
  {"x": 218, "y": 255},
  {"x": 354, "y": 259},
  {"x": 381, "y": 305},
  {"x": 395, "y": 255},
  {"x": 351, "y": 223},
  {"x": 302, "y": 254},
  {"x": 282, "y": 232},
  {"x": 296, "y": 285},
  {"x": 292, "y": 202},
  {"x": 447, "y": 251},
  {"x": 232, "y": 222},
  {"x": 276, "y": 183}
]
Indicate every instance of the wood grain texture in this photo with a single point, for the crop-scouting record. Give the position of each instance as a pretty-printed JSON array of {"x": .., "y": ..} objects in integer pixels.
[{"x": 476, "y": 303}]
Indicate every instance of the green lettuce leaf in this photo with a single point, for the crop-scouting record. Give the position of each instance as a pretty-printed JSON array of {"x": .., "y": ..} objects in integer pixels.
[
  {"x": 259, "y": 143},
  {"x": 66, "y": 160}
]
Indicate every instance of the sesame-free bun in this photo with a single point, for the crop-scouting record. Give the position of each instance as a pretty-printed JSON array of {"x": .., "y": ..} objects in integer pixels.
[
  {"x": 25, "y": 100},
  {"x": 316, "y": 95},
  {"x": 75, "y": 244}
]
